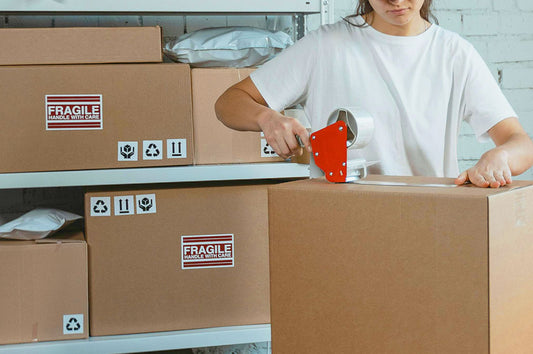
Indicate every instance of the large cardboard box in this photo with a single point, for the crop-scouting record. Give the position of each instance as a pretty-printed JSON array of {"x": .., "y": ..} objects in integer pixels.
[
  {"x": 214, "y": 142},
  {"x": 75, "y": 117},
  {"x": 401, "y": 269},
  {"x": 43, "y": 289},
  {"x": 177, "y": 258},
  {"x": 80, "y": 45}
]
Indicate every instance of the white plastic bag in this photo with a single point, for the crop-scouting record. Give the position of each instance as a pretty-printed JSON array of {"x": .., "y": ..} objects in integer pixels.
[
  {"x": 37, "y": 224},
  {"x": 227, "y": 46}
]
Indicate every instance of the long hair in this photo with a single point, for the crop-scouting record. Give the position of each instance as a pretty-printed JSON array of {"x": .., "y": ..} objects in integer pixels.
[{"x": 364, "y": 8}]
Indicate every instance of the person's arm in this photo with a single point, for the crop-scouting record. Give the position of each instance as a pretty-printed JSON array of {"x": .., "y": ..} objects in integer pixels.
[
  {"x": 512, "y": 156},
  {"x": 242, "y": 107}
]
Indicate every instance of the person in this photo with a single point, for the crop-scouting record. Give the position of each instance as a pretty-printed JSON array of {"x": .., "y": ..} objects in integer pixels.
[{"x": 417, "y": 80}]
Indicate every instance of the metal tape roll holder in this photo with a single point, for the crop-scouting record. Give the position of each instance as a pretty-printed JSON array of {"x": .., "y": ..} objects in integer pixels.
[{"x": 348, "y": 128}]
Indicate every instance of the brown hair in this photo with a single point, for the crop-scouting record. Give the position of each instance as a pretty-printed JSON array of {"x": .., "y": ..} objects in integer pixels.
[{"x": 364, "y": 8}]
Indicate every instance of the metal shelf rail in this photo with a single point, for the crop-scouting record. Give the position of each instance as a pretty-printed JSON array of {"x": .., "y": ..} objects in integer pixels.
[
  {"x": 131, "y": 343},
  {"x": 146, "y": 175},
  {"x": 168, "y": 6}
]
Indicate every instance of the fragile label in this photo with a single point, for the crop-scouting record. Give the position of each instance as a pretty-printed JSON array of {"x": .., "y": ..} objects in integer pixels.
[
  {"x": 73, "y": 112},
  {"x": 127, "y": 151},
  {"x": 146, "y": 203},
  {"x": 73, "y": 324},
  {"x": 207, "y": 251}
]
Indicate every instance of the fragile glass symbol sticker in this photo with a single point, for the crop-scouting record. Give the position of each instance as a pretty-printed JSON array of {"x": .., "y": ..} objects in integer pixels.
[
  {"x": 152, "y": 149},
  {"x": 73, "y": 324},
  {"x": 127, "y": 151},
  {"x": 100, "y": 206},
  {"x": 124, "y": 205},
  {"x": 145, "y": 203},
  {"x": 176, "y": 148}
]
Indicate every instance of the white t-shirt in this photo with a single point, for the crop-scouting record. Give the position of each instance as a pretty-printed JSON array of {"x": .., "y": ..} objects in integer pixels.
[{"x": 418, "y": 89}]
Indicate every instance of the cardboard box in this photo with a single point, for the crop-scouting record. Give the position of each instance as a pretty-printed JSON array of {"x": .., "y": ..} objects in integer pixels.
[
  {"x": 401, "y": 269},
  {"x": 80, "y": 45},
  {"x": 75, "y": 117},
  {"x": 214, "y": 142},
  {"x": 44, "y": 289},
  {"x": 139, "y": 280}
]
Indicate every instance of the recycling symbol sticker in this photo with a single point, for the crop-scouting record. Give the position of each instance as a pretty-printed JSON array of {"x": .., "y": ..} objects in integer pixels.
[
  {"x": 127, "y": 151},
  {"x": 100, "y": 206},
  {"x": 73, "y": 324},
  {"x": 145, "y": 203},
  {"x": 152, "y": 149}
]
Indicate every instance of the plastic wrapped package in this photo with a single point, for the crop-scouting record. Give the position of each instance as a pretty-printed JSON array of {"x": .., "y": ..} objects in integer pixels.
[
  {"x": 227, "y": 46},
  {"x": 37, "y": 224}
]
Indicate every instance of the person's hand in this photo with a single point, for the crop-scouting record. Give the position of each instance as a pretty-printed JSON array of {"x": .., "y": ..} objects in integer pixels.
[
  {"x": 280, "y": 133},
  {"x": 492, "y": 170}
]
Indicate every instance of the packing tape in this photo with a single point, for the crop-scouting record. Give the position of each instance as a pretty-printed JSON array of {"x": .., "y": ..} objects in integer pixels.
[
  {"x": 403, "y": 184},
  {"x": 359, "y": 122}
]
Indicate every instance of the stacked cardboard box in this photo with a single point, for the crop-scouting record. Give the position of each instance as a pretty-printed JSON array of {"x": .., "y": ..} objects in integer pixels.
[
  {"x": 78, "y": 116},
  {"x": 190, "y": 256},
  {"x": 214, "y": 142},
  {"x": 401, "y": 269},
  {"x": 44, "y": 289}
]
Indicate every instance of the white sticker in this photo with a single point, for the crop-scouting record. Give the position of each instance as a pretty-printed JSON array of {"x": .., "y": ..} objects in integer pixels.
[
  {"x": 124, "y": 205},
  {"x": 127, "y": 151},
  {"x": 73, "y": 324},
  {"x": 100, "y": 206},
  {"x": 266, "y": 150},
  {"x": 152, "y": 149},
  {"x": 73, "y": 112},
  {"x": 207, "y": 251},
  {"x": 176, "y": 148},
  {"x": 145, "y": 203}
]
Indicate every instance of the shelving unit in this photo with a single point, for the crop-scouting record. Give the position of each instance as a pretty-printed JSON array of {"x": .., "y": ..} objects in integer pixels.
[{"x": 177, "y": 339}]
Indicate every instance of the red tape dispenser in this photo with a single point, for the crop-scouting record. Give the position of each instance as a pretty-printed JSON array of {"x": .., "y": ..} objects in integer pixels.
[{"x": 348, "y": 128}]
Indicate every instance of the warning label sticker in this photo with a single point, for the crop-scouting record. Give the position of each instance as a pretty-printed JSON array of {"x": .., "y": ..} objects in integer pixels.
[
  {"x": 73, "y": 324},
  {"x": 207, "y": 251},
  {"x": 266, "y": 150},
  {"x": 73, "y": 112},
  {"x": 176, "y": 148},
  {"x": 100, "y": 206}
]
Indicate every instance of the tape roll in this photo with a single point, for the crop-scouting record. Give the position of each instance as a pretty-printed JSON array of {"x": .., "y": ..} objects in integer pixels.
[{"x": 360, "y": 125}]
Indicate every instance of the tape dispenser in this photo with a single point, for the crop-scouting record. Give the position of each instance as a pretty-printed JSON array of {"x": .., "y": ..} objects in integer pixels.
[{"x": 347, "y": 128}]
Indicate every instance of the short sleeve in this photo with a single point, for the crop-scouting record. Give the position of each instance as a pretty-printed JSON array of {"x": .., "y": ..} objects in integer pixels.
[
  {"x": 284, "y": 80},
  {"x": 485, "y": 104}
]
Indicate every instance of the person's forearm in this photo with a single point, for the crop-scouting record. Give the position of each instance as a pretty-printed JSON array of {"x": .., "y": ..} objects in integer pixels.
[
  {"x": 519, "y": 149},
  {"x": 238, "y": 110}
]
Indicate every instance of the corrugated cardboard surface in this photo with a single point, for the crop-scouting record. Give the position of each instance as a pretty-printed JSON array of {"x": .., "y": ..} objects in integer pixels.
[
  {"x": 42, "y": 282},
  {"x": 216, "y": 143},
  {"x": 80, "y": 45},
  {"x": 137, "y": 283},
  {"x": 511, "y": 272},
  {"x": 383, "y": 269},
  {"x": 139, "y": 102}
]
